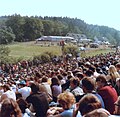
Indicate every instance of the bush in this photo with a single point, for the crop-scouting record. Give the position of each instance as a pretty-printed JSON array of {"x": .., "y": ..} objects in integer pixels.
[
  {"x": 71, "y": 50},
  {"x": 51, "y": 55},
  {"x": 4, "y": 51},
  {"x": 45, "y": 58}
]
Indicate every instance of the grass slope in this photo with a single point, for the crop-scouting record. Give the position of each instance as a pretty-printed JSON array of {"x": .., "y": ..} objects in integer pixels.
[{"x": 29, "y": 49}]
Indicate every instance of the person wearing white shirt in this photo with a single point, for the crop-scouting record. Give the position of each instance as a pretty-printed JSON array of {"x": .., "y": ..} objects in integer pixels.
[
  {"x": 8, "y": 93},
  {"x": 24, "y": 90}
]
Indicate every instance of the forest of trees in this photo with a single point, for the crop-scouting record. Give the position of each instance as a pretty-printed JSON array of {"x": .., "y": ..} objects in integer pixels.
[{"x": 23, "y": 28}]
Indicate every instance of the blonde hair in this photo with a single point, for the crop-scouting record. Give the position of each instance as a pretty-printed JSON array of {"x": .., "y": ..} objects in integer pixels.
[
  {"x": 113, "y": 72},
  {"x": 66, "y": 100}
]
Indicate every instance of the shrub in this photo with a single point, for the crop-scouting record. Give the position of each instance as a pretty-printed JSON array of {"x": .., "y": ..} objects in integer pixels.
[
  {"x": 51, "y": 54},
  {"x": 71, "y": 50},
  {"x": 45, "y": 58}
]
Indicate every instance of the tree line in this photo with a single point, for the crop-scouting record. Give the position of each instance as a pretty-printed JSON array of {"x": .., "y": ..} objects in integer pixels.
[{"x": 23, "y": 28}]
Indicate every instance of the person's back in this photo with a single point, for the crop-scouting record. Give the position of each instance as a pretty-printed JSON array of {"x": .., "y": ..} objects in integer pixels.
[
  {"x": 45, "y": 87},
  {"x": 88, "y": 86},
  {"x": 25, "y": 91},
  {"x": 7, "y": 93},
  {"x": 98, "y": 113},
  {"x": 38, "y": 101},
  {"x": 108, "y": 93}
]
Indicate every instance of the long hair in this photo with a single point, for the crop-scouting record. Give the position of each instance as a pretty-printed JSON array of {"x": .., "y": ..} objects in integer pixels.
[
  {"x": 113, "y": 72},
  {"x": 10, "y": 108}
]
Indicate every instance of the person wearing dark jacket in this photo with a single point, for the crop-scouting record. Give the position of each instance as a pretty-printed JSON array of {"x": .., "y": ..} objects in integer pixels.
[{"x": 38, "y": 101}]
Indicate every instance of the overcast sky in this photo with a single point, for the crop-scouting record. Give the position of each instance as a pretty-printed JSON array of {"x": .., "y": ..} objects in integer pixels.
[{"x": 100, "y": 12}]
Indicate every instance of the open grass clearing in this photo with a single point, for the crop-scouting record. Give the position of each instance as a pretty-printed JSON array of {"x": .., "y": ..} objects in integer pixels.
[{"x": 29, "y": 49}]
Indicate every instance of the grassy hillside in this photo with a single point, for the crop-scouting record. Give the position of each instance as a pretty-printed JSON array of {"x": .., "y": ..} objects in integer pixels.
[{"x": 29, "y": 49}]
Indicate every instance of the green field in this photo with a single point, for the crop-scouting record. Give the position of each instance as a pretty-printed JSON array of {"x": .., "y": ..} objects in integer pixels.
[{"x": 29, "y": 49}]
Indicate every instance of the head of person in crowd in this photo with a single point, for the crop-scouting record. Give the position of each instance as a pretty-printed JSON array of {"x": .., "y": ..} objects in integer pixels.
[
  {"x": 117, "y": 107},
  {"x": 69, "y": 77},
  {"x": 6, "y": 87},
  {"x": 18, "y": 95},
  {"x": 74, "y": 82},
  {"x": 88, "y": 85},
  {"x": 89, "y": 73},
  {"x": 61, "y": 78},
  {"x": 92, "y": 68},
  {"x": 37, "y": 76},
  {"x": 118, "y": 67},
  {"x": 55, "y": 81},
  {"x": 101, "y": 81},
  {"x": 70, "y": 73},
  {"x": 80, "y": 75},
  {"x": 105, "y": 70},
  {"x": 113, "y": 72},
  {"x": 22, "y": 84},
  {"x": 34, "y": 87},
  {"x": 99, "y": 70},
  {"x": 88, "y": 103},
  {"x": 64, "y": 74},
  {"x": 87, "y": 64},
  {"x": 10, "y": 108},
  {"x": 66, "y": 100},
  {"x": 44, "y": 79}
]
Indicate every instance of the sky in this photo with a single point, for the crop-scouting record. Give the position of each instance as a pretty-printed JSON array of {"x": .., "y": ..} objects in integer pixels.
[{"x": 96, "y": 12}]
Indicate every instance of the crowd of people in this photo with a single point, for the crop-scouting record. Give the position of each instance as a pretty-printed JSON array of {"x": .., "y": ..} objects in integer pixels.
[{"x": 84, "y": 87}]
